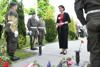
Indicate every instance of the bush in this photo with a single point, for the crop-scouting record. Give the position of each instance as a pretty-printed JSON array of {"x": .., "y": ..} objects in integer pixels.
[
  {"x": 72, "y": 30},
  {"x": 50, "y": 26},
  {"x": 21, "y": 41}
]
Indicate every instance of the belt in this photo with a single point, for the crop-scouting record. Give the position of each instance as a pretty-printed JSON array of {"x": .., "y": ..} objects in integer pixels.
[
  {"x": 34, "y": 27},
  {"x": 41, "y": 27},
  {"x": 93, "y": 11}
]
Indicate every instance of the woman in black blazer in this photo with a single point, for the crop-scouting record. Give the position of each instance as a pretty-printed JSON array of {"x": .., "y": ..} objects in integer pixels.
[{"x": 63, "y": 20}]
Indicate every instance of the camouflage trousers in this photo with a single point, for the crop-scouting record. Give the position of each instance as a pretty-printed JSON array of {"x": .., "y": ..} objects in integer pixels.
[
  {"x": 11, "y": 43},
  {"x": 93, "y": 28},
  {"x": 41, "y": 36},
  {"x": 33, "y": 38}
]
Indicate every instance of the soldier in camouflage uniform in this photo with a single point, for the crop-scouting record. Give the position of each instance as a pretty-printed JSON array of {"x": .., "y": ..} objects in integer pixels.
[
  {"x": 32, "y": 27},
  {"x": 41, "y": 29},
  {"x": 92, "y": 8},
  {"x": 11, "y": 30}
]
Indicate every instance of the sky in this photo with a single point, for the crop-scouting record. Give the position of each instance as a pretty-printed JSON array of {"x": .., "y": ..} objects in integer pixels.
[{"x": 69, "y": 6}]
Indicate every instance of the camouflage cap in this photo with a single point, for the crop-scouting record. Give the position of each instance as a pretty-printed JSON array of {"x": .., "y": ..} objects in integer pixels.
[
  {"x": 33, "y": 13},
  {"x": 13, "y": 3},
  {"x": 40, "y": 16}
]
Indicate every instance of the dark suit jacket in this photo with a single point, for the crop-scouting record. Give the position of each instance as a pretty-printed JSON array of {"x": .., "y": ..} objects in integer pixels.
[
  {"x": 1, "y": 28},
  {"x": 65, "y": 18}
]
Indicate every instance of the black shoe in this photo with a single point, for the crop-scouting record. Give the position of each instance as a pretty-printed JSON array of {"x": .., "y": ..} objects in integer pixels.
[
  {"x": 64, "y": 53},
  {"x": 15, "y": 58},
  {"x": 42, "y": 45},
  {"x": 61, "y": 52},
  {"x": 34, "y": 49}
]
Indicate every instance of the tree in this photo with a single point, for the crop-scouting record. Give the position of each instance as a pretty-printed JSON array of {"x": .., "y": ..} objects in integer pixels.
[
  {"x": 21, "y": 26},
  {"x": 43, "y": 6},
  {"x": 3, "y": 10},
  {"x": 72, "y": 30},
  {"x": 29, "y": 11},
  {"x": 50, "y": 26}
]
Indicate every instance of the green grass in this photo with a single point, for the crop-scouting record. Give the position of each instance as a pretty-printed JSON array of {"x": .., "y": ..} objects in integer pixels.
[{"x": 23, "y": 54}]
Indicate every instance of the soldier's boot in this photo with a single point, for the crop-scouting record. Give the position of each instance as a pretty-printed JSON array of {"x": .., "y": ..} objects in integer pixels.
[
  {"x": 32, "y": 44},
  {"x": 41, "y": 43},
  {"x": 33, "y": 48},
  {"x": 13, "y": 58},
  {"x": 40, "y": 49}
]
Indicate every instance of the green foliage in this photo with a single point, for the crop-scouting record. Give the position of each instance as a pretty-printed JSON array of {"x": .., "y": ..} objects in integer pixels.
[
  {"x": 72, "y": 30},
  {"x": 21, "y": 41},
  {"x": 21, "y": 26},
  {"x": 29, "y": 11},
  {"x": 42, "y": 6},
  {"x": 3, "y": 10},
  {"x": 50, "y": 26}
]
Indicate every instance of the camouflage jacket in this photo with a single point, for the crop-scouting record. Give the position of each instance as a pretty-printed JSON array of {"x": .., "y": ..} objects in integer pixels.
[{"x": 11, "y": 16}]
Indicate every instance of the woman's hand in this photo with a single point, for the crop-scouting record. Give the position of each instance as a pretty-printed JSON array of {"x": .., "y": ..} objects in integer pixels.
[
  {"x": 61, "y": 23},
  {"x": 58, "y": 24},
  {"x": 66, "y": 22}
]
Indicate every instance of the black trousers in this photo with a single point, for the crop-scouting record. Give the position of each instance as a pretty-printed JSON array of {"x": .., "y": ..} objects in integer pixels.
[{"x": 63, "y": 37}]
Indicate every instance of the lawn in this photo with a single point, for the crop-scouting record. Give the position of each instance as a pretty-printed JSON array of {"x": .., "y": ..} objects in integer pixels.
[{"x": 23, "y": 54}]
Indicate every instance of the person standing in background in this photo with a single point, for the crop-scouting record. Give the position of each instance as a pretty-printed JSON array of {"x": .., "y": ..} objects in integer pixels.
[
  {"x": 41, "y": 29},
  {"x": 32, "y": 27},
  {"x": 63, "y": 20},
  {"x": 1, "y": 29}
]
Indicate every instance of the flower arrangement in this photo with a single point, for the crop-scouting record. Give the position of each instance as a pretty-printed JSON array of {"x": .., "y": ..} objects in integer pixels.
[
  {"x": 4, "y": 59},
  {"x": 63, "y": 63},
  {"x": 66, "y": 62}
]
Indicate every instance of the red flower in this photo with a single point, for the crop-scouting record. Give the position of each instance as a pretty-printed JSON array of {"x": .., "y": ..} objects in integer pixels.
[
  {"x": 0, "y": 61},
  {"x": 6, "y": 64},
  {"x": 82, "y": 41}
]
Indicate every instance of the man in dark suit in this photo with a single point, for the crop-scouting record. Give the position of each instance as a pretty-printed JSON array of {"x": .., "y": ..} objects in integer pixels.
[
  {"x": 1, "y": 29},
  {"x": 92, "y": 9}
]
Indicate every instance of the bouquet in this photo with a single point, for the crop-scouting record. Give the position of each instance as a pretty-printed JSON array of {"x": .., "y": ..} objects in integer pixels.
[
  {"x": 66, "y": 62},
  {"x": 4, "y": 59}
]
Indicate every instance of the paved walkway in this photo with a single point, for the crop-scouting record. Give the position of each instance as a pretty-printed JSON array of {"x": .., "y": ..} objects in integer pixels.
[{"x": 51, "y": 53}]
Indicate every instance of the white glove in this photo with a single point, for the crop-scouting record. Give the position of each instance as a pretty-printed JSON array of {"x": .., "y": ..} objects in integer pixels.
[
  {"x": 10, "y": 22},
  {"x": 37, "y": 32},
  {"x": 45, "y": 31},
  {"x": 30, "y": 32},
  {"x": 16, "y": 34}
]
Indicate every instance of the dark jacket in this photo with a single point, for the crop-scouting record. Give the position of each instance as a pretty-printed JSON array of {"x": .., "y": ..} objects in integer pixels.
[
  {"x": 65, "y": 18},
  {"x": 32, "y": 22},
  {"x": 1, "y": 28}
]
